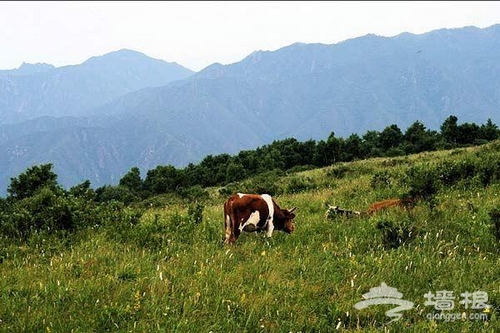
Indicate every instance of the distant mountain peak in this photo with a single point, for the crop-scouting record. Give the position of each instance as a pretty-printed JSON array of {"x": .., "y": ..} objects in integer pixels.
[
  {"x": 38, "y": 65},
  {"x": 212, "y": 71},
  {"x": 29, "y": 69},
  {"x": 125, "y": 52},
  {"x": 119, "y": 55},
  {"x": 129, "y": 56}
]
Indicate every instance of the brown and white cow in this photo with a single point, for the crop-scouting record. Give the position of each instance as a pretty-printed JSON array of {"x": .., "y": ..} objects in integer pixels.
[{"x": 255, "y": 212}]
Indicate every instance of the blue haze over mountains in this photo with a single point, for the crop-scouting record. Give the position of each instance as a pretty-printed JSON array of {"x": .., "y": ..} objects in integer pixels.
[{"x": 98, "y": 119}]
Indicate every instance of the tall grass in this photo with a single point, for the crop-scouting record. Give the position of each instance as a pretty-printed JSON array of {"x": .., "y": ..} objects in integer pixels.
[{"x": 169, "y": 272}]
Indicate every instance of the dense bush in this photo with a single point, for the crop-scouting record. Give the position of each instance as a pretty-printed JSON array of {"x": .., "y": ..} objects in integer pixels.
[
  {"x": 267, "y": 182},
  {"x": 51, "y": 212},
  {"x": 337, "y": 171},
  {"x": 193, "y": 193},
  {"x": 381, "y": 179},
  {"x": 395, "y": 235},
  {"x": 195, "y": 212},
  {"x": 495, "y": 220},
  {"x": 451, "y": 172},
  {"x": 38, "y": 204},
  {"x": 488, "y": 169},
  {"x": 31, "y": 181},
  {"x": 44, "y": 211},
  {"x": 299, "y": 184},
  {"x": 115, "y": 193},
  {"x": 422, "y": 181}
]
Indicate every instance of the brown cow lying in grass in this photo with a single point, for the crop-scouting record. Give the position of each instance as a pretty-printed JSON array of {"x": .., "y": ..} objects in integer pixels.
[{"x": 406, "y": 203}]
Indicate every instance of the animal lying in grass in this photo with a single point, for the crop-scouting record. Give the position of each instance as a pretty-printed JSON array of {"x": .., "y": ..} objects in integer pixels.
[
  {"x": 255, "y": 212},
  {"x": 405, "y": 203},
  {"x": 336, "y": 210}
]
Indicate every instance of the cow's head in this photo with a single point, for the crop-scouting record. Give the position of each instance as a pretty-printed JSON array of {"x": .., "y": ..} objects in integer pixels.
[{"x": 289, "y": 223}]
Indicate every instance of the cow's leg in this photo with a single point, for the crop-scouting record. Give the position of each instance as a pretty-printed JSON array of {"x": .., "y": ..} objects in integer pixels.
[
  {"x": 228, "y": 228},
  {"x": 270, "y": 227},
  {"x": 234, "y": 230},
  {"x": 270, "y": 206},
  {"x": 234, "y": 236}
]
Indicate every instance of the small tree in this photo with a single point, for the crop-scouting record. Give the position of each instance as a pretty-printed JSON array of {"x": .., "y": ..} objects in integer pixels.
[
  {"x": 132, "y": 180},
  {"x": 417, "y": 138},
  {"x": 353, "y": 147},
  {"x": 83, "y": 190},
  {"x": 31, "y": 181},
  {"x": 489, "y": 131},
  {"x": 119, "y": 193},
  {"x": 234, "y": 172},
  {"x": 391, "y": 137},
  {"x": 371, "y": 144},
  {"x": 163, "y": 179},
  {"x": 467, "y": 133},
  {"x": 449, "y": 129}
]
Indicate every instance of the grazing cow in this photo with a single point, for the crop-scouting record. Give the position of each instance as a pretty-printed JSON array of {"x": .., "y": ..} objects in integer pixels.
[
  {"x": 336, "y": 210},
  {"x": 401, "y": 203},
  {"x": 254, "y": 212}
]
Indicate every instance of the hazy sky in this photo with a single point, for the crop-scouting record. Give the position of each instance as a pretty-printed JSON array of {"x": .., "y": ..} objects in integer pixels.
[{"x": 197, "y": 34}]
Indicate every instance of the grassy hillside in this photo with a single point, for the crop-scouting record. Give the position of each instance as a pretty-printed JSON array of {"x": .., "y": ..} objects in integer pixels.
[{"x": 169, "y": 272}]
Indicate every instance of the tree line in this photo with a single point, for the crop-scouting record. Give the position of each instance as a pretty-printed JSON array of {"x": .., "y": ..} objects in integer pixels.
[
  {"x": 290, "y": 153},
  {"x": 280, "y": 155}
]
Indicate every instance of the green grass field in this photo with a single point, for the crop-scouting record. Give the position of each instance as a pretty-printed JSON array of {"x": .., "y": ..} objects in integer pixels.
[{"x": 169, "y": 274}]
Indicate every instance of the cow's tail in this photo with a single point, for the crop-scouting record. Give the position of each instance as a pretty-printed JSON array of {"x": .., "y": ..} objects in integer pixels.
[
  {"x": 227, "y": 222},
  {"x": 230, "y": 223}
]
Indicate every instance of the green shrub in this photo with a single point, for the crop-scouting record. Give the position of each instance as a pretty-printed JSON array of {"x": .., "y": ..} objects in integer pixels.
[
  {"x": 338, "y": 171},
  {"x": 32, "y": 180},
  {"x": 495, "y": 220},
  {"x": 488, "y": 170},
  {"x": 182, "y": 227},
  {"x": 300, "y": 184},
  {"x": 193, "y": 193},
  {"x": 118, "y": 193},
  {"x": 451, "y": 172},
  {"x": 153, "y": 235},
  {"x": 393, "y": 152},
  {"x": 195, "y": 213},
  {"x": 42, "y": 211},
  {"x": 422, "y": 181},
  {"x": 300, "y": 168},
  {"x": 395, "y": 235},
  {"x": 228, "y": 190},
  {"x": 263, "y": 183},
  {"x": 381, "y": 179}
]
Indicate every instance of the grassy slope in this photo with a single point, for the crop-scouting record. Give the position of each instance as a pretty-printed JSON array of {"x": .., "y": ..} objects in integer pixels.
[{"x": 154, "y": 277}]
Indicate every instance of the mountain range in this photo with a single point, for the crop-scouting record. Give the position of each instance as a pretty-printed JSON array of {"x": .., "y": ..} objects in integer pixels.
[
  {"x": 98, "y": 119},
  {"x": 42, "y": 90}
]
